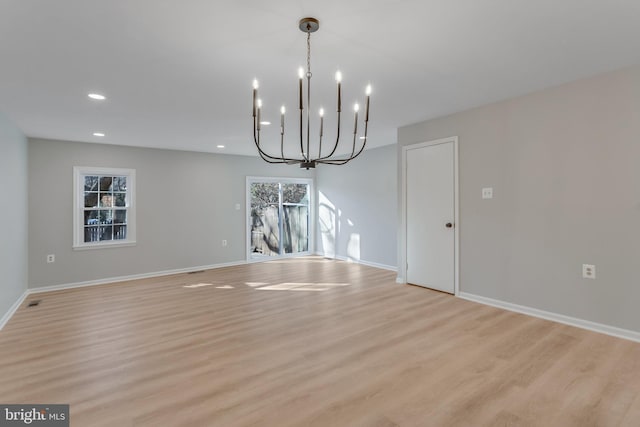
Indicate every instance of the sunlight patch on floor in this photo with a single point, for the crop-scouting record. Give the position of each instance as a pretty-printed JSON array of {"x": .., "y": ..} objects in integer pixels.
[
  {"x": 284, "y": 286},
  {"x": 256, "y": 284},
  {"x": 198, "y": 285},
  {"x": 301, "y": 260},
  {"x": 307, "y": 287}
]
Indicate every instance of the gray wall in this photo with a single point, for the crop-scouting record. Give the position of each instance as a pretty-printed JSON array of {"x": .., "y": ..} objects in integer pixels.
[
  {"x": 565, "y": 167},
  {"x": 357, "y": 208},
  {"x": 185, "y": 208},
  {"x": 13, "y": 214}
]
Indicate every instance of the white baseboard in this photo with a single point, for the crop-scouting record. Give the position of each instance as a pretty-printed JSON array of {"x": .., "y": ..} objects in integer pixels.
[
  {"x": 35, "y": 290},
  {"x": 13, "y": 308},
  {"x": 132, "y": 277},
  {"x": 363, "y": 262},
  {"x": 572, "y": 321},
  {"x": 39, "y": 289},
  {"x": 560, "y": 318}
]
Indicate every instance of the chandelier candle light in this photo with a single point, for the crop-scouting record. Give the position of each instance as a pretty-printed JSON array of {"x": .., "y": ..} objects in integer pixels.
[{"x": 306, "y": 160}]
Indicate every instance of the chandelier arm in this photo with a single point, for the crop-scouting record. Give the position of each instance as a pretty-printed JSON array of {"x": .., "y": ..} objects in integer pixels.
[
  {"x": 301, "y": 130},
  {"x": 265, "y": 156},
  {"x": 335, "y": 147},
  {"x": 339, "y": 162},
  {"x": 355, "y": 135},
  {"x": 268, "y": 158},
  {"x": 346, "y": 160},
  {"x": 282, "y": 142},
  {"x": 320, "y": 141}
]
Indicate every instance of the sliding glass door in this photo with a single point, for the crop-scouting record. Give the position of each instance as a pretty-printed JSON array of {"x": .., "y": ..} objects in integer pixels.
[{"x": 279, "y": 217}]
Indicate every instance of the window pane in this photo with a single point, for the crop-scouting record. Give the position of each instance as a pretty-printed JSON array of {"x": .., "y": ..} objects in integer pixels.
[
  {"x": 91, "y": 234},
  {"x": 105, "y": 183},
  {"x": 265, "y": 233},
  {"x": 119, "y": 232},
  {"x": 90, "y": 183},
  {"x": 106, "y": 233},
  {"x": 95, "y": 233},
  {"x": 120, "y": 217},
  {"x": 295, "y": 193},
  {"x": 264, "y": 194},
  {"x": 106, "y": 200},
  {"x": 95, "y": 217},
  {"x": 295, "y": 229},
  {"x": 105, "y": 216},
  {"x": 296, "y": 218},
  {"x": 90, "y": 200},
  {"x": 91, "y": 218},
  {"x": 120, "y": 199},
  {"x": 119, "y": 183}
]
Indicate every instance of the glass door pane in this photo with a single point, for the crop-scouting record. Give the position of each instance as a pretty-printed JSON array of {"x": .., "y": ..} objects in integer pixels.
[
  {"x": 265, "y": 219},
  {"x": 295, "y": 226}
]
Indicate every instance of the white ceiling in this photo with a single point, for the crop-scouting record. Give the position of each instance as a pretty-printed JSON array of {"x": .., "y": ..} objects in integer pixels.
[{"x": 178, "y": 74}]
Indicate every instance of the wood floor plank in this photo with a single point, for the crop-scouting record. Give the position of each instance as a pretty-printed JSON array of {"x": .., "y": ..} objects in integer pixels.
[
  {"x": 632, "y": 415},
  {"x": 308, "y": 342}
]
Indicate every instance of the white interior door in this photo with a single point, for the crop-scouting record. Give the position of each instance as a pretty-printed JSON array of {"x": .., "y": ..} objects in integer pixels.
[{"x": 430, "y": 210}]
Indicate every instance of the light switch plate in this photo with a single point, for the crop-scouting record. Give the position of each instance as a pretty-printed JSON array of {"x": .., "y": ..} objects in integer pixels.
[{"x": 487, "y": 193}]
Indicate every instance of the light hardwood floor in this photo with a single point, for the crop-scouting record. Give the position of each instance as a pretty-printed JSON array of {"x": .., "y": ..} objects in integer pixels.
[{"x": 308, "y": 342}]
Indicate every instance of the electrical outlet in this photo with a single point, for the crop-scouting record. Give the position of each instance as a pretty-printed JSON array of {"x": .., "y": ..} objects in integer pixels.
[
  {"x": 224, "y": 243},
  {"x": 588, "y": 271},
  {"x": 51, "y": 258},
  {"x": 237, "y": 206},
  {"x": 487, "y": 193}
]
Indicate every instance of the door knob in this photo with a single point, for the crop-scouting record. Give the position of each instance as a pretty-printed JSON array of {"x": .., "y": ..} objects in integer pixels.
[{"x": 449, "y": 225}]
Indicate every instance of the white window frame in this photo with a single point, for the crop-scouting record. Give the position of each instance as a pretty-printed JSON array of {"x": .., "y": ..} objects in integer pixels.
[
  {"x": 268, "y": 179},
  {"x": 79, "y": 172}
]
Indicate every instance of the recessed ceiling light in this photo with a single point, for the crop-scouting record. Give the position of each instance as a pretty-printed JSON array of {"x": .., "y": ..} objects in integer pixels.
[
  {"x": 98, "y": 134},
  {"x": 220, "y": 146},
  {"x": 265, "y": 123},
  {"x": 97, "y": 96}
]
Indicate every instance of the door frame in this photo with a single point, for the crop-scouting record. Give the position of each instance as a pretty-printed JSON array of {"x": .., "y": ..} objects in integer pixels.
[{"x": 402, "y": 241}]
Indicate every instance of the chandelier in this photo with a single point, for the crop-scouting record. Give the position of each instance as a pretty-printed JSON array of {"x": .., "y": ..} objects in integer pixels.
[{"x": 306, "y": 159}]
